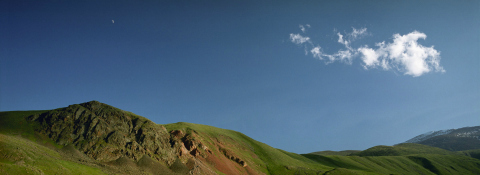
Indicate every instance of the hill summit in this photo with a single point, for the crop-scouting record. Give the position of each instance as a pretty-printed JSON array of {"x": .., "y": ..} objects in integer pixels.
[{"x": 105, "y": 133}]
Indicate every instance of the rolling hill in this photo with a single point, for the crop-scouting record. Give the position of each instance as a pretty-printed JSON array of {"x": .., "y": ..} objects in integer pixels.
[{"x": 95, "y": 138}]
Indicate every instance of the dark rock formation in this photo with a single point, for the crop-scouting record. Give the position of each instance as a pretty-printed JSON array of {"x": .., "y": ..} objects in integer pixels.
[{"x": 105, "y": 133}]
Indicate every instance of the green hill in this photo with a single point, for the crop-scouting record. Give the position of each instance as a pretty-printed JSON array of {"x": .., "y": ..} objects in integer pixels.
[
  {"x": 405, "y": 158},
  {"x": 95, "y": 138},
  {"x": 336, "y": 153},
  {"x": 401, "y": 150},
  {"x": 472, "y": 153}
]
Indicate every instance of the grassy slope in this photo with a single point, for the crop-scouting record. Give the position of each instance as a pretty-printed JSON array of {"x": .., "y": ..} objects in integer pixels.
[
  {"x": 266, "y": 159},
  {"x": 403, "y": 149},
  {"x": 335, "y": 153},
  {"x": 24, "y": 152},
  {"x": 403, "y": 159},
  {"x": 13, "y": 122},
  {"x": 475, "y": 153},
  {"x": 413, "y": 164},
  {"x": 23, "y": 156}
]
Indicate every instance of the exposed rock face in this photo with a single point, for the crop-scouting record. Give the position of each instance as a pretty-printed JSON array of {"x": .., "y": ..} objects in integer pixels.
[
  {"x": 106, "y": 133},
  {"x": 188, "y": 145}
]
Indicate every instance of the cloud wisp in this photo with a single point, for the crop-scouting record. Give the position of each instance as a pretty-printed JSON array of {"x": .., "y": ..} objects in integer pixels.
[
  {"x": 298, "y": 39},
  {"x": 404, "y": 54},
  {"x": 304, "y": 28}
]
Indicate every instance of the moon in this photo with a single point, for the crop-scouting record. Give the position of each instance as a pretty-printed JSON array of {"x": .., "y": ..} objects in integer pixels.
[{"x": 113, "y": 21}]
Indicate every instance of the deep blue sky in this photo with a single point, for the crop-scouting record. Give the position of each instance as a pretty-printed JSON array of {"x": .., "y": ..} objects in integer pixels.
[{"x": 232, "y": 64}]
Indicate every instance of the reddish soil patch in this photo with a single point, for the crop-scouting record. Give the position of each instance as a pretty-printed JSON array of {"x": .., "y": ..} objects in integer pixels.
[
  {"x": 226, "y": 165},
  {"x": 251, "y": 171}
]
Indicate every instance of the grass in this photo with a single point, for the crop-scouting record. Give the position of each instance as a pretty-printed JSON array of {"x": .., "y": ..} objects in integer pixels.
[
  {"x": 403, "y": 159},
  {"x": 13, "y": 122},
  {"x": 269, "y": 160},
  {"x": 413, "y": 164},
  {"x": 337, "y": 153},
  {"x": 23, "y": 156},
  {"x": 471, "y": 153},
  {"x": 402, "y": 149}
]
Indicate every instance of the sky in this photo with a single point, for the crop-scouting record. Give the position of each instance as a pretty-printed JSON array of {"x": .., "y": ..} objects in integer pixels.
[{"x": 302, "y": 76}]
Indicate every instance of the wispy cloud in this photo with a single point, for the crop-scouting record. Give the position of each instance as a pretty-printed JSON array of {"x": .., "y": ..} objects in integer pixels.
[
  {"x": 358, "y": 33},
  {"x": 304, "y": 28},
  {"x": 404, "y": 54},
  {"x": 298, "y": 39},
  {"x": 343, "y": 55},
  {"x": 350, "y": 37}
]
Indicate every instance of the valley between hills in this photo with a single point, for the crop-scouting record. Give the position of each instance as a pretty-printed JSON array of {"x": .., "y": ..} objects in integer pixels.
[{"x": 96, "y": 138}]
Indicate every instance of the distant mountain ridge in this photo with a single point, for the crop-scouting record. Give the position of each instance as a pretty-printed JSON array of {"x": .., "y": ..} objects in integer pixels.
[
  {"x": 466, "y": 138},
  {"x": 429, "y": 135}
]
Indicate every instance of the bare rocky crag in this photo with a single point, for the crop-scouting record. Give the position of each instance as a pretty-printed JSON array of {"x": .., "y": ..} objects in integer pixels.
[{"x": 107, "y": 134}]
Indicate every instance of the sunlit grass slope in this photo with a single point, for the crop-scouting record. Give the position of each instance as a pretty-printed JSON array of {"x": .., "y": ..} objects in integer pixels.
[
  {"x": 23, "y": 156},
  {"x": 22, "y": 151},
  {"x": 403, "y": 159},
  {"x": 264, "y": 158},
  {"x": 402, "y": 149}
]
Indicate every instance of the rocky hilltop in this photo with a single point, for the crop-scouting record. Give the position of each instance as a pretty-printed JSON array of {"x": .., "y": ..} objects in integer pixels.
[{"x": 105, "y": 133}]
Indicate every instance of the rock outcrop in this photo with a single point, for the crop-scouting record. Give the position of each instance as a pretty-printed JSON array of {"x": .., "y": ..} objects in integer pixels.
[
  {"x": 105, "y": 133},
  {"x": 229, "y": 154},
  {"x": 188, "y": 145}
]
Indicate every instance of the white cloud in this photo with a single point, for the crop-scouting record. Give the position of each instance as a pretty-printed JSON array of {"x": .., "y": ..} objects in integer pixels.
[
  {"x": 370, "y": 57},
  {"x": 340, "y": 40},
  {"x": 317, "y": 53},
  {"x": 298, "y": 39},
  {"x": 404, "y": 54}
]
